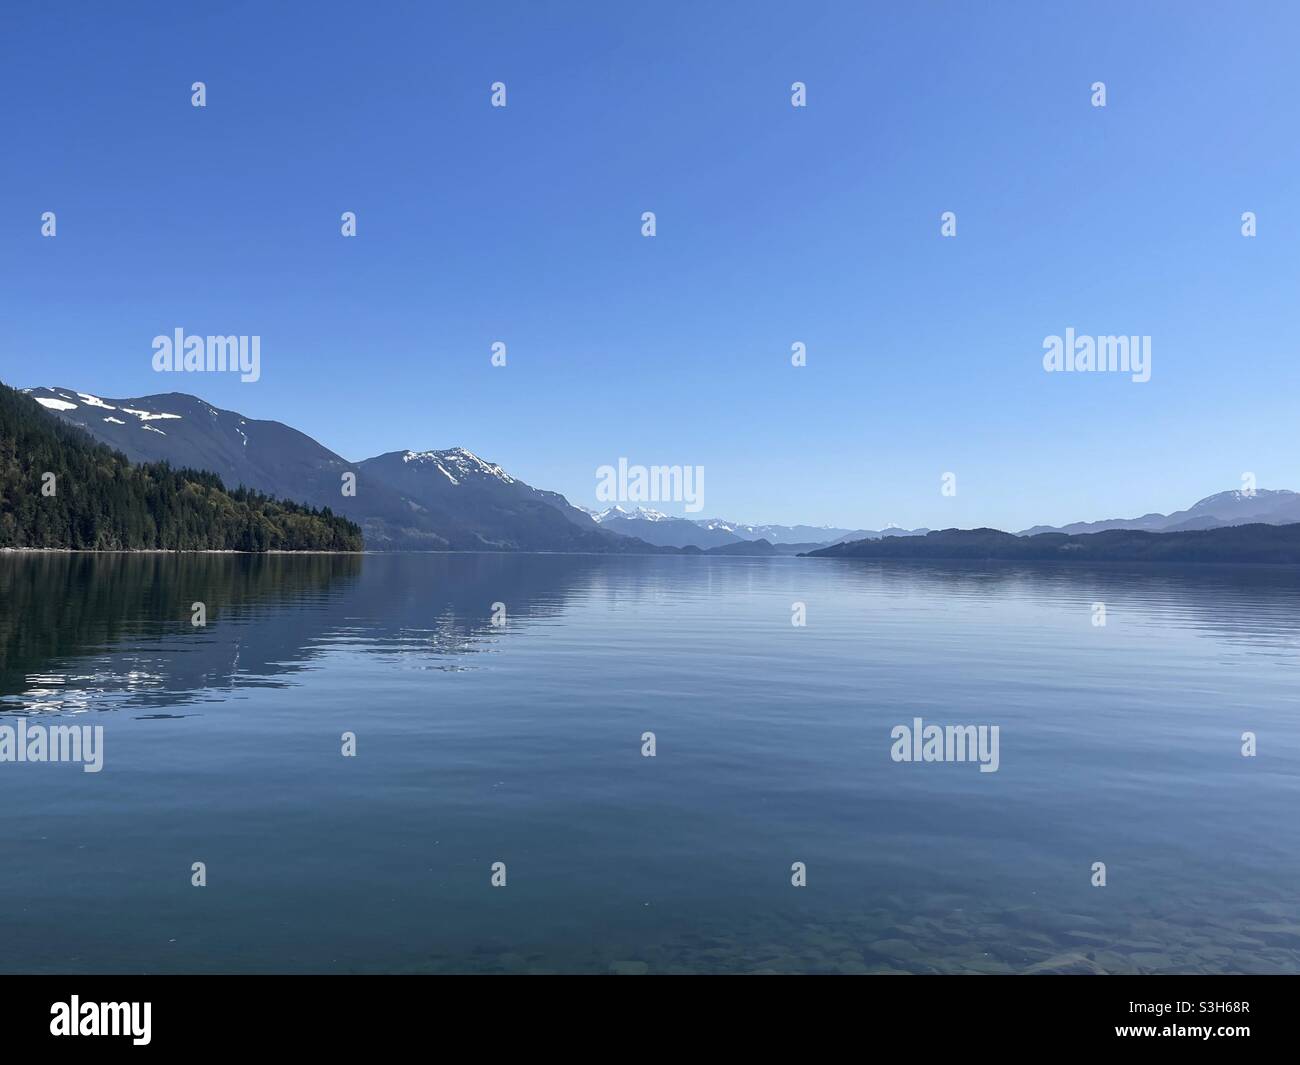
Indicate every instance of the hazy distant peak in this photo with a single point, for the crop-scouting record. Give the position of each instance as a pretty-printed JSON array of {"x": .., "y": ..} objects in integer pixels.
[
  {"x": 1237, "y": 496},
  {"x": 1236, "y": 507},
  {"x": 636, "y": 514}
]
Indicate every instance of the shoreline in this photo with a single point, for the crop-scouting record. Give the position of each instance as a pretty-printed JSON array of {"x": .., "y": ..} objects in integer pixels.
[
  {"x": 158, "y": 551},
  {"x": 875, "y": 559}
]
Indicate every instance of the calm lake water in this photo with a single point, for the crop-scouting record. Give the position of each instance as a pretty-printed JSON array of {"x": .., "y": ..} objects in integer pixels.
[{"x": 476, "y": 744}]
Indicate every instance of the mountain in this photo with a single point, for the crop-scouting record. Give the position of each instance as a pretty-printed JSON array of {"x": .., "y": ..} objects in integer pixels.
[
  {"x": 778, "y": 535},
  {"x": 763, "y": 547},
  {"x": 774, "y": 534},
  {"x": 100, "y": 501},
  {"x": 428, "y": 500},
  {"x": 186, "y": 431},
  {"x": 744, "y": 547},
  {"x": 888, "y": 530},
  {"x": 1258, "y": 543},
  {"x": 1264, "y": 506},
  {"x": 266, "y": 456},
  {"x": 476, "y": 505},
  {"x": 655, "y": 527}
]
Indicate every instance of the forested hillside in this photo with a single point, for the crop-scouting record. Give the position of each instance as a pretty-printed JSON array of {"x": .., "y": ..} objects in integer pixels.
[{"x": 97, "y": 500}]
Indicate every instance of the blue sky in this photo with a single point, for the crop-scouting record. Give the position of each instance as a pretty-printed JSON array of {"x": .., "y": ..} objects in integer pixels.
[{"x": 775, "y": 225}]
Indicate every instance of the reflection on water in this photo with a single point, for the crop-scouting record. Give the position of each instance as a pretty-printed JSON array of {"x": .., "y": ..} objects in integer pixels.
[
  {"x": 78, "y": 627},
  {"x": 479, "y": 742}
]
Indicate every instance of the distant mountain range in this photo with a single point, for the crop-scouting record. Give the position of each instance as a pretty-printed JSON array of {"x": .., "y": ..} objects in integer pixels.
[
  {"x": 655, "y": 527},
  {"x": 661, "y": 529},
  {"x": 430, "y": 500},
  {"x": 454, "y": 500},
  {"x": 1259, "y": 543},
  {"x": 1264, "y": 506}
]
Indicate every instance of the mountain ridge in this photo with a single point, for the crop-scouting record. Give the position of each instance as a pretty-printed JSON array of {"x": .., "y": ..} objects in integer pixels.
[
  {"x": 1221, "y": 510},
  {"x": 63, "y": 489},
  {"x": 447, "y": 499},
  {"x": 452, "y": 499},
  {"x": 656, "y": 527},
  {"x": 1254, "y": 543}
]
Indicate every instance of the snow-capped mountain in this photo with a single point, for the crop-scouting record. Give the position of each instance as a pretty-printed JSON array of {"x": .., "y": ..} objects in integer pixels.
[
  {"x": 776, "y": 534},
  {"x": 456, "y": 464},
  {"x": 804, "y": 534},
  {"x": 635, "y": 514},
  {"x": 663, "y": 530},
  {"x": 1264, "y": 506},
  {"x": 655, "y": 527},
  {"x": 476, "y": 505},
  {"x": 186, "y": 431},
  {"x": 436, "y": 500}
]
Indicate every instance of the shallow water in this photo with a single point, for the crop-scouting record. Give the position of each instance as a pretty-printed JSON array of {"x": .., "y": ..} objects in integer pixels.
[{"x": 522, "y": 744}]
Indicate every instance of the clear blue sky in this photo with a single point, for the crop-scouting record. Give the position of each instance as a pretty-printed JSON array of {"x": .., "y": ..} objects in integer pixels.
[{"x": 774, "y": 225}]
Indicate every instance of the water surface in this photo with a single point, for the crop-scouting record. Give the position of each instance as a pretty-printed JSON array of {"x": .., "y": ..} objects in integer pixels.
[{"x": 522, "y": 744}]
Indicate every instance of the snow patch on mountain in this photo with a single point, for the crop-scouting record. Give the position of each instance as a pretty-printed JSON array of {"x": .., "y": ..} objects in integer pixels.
[
  {"x": 55, "y": 404},
  {"x": 639, "y": 514},
  {"x": 457, "y": 464},
  {"x": 148, "y": 416}
]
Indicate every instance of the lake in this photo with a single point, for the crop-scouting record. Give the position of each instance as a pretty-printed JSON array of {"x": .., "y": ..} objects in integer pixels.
[{"x": 522, "y": 743}]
